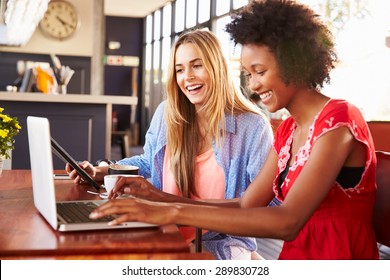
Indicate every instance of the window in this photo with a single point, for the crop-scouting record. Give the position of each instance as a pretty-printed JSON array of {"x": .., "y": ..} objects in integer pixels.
[
  {"x": 179, "y": 15},
  {"x": 360, "y": 29},
  {"x": 167, "y": 20},
  {"x": 239, "y": 3},
  {"x": 204, "y": 11},
  {"x": 156, "y": 61},
  {"x": 157, "y": 23},
  {"x": 166, "y": 41},
  {"x": 190, "y": 13},
  {"x": 159, "y": 35},
  {"x": 223, "y": 7},
  {"x": 228, "y": 47},
  {"x": 147, "y": 74},
  {"x": 149, "y": 29},
  {"x": 166, "y": 51}
]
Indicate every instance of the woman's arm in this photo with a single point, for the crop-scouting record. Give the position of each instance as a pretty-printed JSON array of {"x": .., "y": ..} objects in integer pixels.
[
  {"x": 155, "y": 137},
  {"x": 284, "y": 222},
  {"x": 141, "y": 188}
]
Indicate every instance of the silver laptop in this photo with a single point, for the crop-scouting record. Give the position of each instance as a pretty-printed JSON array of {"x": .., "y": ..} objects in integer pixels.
[{"x": 61, "y": 215}]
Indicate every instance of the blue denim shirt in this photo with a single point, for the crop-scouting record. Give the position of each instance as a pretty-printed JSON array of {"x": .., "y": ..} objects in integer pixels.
[{"x": 243, "y": 152}]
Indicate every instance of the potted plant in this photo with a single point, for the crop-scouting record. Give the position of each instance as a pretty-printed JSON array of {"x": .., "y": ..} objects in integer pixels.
[{"x": 9, "y": 127}]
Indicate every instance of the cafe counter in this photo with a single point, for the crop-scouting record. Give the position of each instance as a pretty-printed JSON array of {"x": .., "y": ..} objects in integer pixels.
[{"x": 80, "y": 123}]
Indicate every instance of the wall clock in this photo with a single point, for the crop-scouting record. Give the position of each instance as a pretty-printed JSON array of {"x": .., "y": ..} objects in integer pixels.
[{"x": 60, "y": 20}]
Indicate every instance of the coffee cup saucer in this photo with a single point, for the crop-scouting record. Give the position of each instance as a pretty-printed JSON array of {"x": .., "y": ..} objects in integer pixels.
[{"x": 104, "y": 195}]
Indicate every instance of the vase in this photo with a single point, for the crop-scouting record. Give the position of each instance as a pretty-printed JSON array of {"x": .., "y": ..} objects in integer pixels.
[
  {"x": 2, "y": 159},
  {"x": 5, "y": 164}
]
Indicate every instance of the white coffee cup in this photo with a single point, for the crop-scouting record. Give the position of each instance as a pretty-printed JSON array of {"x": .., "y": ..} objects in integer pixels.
[{"x": 110, "y": 180}]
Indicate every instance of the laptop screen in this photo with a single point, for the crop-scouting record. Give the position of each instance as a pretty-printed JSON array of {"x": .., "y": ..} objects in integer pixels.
[{"x": 42, "y": 168}]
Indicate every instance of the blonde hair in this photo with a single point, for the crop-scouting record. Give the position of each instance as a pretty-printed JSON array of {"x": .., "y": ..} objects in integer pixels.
[{"x": 181, "y": 116}]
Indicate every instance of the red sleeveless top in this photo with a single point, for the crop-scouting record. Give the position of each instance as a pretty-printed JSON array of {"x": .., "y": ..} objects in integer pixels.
[{"x": 341, "y": 228}]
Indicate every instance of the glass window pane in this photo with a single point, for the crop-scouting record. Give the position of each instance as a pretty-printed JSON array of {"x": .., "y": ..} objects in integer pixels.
[
  {"x": 223, "y": 7},
  {"x": 166, "y": 50},
  {"x": 349, "y": 24},
  {"x": 147, "y": 77},
  {"x": 191, "y": 13},
  {"x": 156, "y": 60},
  {"x": 222, "y": 35},
  {"x": 231, "y": 52},
  {"x": 239, "y": 3},
  {"x": 157, "y": 24},
  {"x": 179, "y": 15},
  {"x": 148, "y": 57},
  {"x": 149, "y": 29},
  {"x": 204, "y": 10},
  {"x": 167, "y": 20}
]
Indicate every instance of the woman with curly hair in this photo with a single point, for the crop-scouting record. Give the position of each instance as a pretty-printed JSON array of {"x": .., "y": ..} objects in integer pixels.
[
  {"x": 322, "y": 165},
  {"x": 206, "y": 141}
]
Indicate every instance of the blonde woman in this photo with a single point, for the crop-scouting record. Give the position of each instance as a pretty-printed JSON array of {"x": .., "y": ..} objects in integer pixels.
[{"x": 206, "y": 141}]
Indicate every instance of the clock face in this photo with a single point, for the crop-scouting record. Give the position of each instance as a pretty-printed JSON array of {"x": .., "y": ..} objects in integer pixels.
[{"x": 60, "y": 20}]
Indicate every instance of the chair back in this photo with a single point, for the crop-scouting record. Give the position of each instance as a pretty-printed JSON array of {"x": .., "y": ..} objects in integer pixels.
[
  {"x": 380, "y": 132},
  {"x": 381, "y": 219}
]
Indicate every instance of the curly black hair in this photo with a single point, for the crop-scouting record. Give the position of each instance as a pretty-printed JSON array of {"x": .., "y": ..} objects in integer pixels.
[{"x": 301, "y": 42}]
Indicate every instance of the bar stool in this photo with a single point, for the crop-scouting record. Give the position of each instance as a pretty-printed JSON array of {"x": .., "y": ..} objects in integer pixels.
[{"x": 124, "y": 140}]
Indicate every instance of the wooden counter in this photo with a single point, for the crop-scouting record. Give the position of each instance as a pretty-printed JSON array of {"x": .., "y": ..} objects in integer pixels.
[
  {"x": 68, "y": 98},
  {"x": 80, "y": 123}
]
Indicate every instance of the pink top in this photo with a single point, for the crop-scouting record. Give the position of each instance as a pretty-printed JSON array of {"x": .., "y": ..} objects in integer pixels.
[
  {"x": 209, "y": 182},
  {"x": 209, "y": 177}
]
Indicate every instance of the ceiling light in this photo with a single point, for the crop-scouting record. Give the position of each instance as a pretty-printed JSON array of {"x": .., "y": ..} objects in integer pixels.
[{"x": 19, "y": 19}]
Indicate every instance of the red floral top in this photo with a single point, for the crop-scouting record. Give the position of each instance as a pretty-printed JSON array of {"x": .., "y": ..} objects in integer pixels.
[{"x": 341, "y": 228}]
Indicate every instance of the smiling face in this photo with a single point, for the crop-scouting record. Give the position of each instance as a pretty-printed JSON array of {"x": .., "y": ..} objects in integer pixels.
[
  {"x": 191, "y": 74},
  {"x": 263, "y": 77}
]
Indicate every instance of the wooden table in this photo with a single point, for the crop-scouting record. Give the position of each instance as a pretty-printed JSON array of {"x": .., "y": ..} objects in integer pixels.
[{"x": 24, "y": 234}]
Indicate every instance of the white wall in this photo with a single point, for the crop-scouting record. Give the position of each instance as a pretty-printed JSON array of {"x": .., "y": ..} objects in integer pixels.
[{"x": 80, "y": 44}]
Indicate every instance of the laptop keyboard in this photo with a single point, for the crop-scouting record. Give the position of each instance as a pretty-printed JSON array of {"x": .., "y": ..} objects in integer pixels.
[{"x": 78, "y": 212}]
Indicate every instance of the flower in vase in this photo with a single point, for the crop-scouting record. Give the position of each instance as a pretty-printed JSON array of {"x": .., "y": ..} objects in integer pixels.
[{"x": 9, "y": 127}]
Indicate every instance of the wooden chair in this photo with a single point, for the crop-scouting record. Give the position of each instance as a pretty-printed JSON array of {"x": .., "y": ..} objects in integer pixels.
[
  {"x": 380, "y": 131},
  {"x": 124, "y": 141},
  {"x": 381, "y": 220}
]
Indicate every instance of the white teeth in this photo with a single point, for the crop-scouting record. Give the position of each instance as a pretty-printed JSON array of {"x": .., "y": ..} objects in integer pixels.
[
  {"x": 194, "y": 87},
  {"x": 266, "y": 94}
]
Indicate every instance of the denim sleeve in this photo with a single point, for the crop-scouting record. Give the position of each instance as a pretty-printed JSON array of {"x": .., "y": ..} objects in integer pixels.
[
  {"x": 152, "y": 143},
  {"x": 245, "y": 151},
  {"x": 259, "y": 145}
]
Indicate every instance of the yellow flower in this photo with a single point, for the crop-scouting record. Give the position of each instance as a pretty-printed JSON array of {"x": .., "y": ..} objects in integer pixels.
[
  {"x": 5, "y": 118},
  {"x": 3, "y": 133},
  {"x": 9, "y": 128}
]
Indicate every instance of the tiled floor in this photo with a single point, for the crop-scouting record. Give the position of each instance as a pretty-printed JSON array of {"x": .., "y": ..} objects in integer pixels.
[
  {"x": 384, "y": 252},
  {"x": 268, "y": 248}
]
